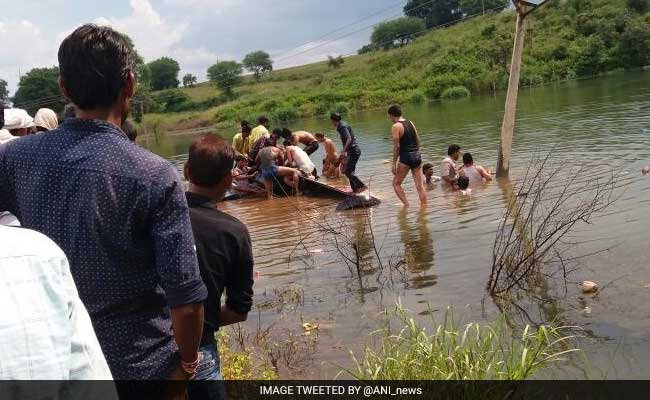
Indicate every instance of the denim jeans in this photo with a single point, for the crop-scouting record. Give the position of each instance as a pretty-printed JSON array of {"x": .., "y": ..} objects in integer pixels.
[
  {"x": 353, "y": 157},
  {"x": 208, "y": 382}
]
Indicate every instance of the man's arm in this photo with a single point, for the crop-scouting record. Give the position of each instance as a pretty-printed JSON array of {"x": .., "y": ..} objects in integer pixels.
[
  {"x": 396, "y": 131},
  {"x": 6, "y": 204},
  {"x": 239, "y": 282},
  {"x": 176, "y": 264},
  {"x": 486, "y": 175}
]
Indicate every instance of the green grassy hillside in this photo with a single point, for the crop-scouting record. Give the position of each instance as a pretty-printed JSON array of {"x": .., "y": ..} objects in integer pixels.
[{"x": 565, "y": 40}]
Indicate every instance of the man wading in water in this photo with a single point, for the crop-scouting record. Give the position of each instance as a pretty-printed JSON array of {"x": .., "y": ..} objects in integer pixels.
[
  {"x": 406, "y": 146},
  {"x": 351, "y": 151}
]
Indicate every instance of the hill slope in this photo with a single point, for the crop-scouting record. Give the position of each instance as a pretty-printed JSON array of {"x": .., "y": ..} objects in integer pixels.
[{"x": 565, "y": 40}]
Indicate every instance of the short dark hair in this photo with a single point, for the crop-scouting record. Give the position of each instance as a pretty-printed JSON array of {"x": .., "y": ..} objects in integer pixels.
[
  {"x": 463, "y": 182},
  {"x": 453, "y": 149},
  {"x": 335, "y": 117},
  {"x": 286, "y": 133},
  {"x": 286, "y": 143},
  {"x": 211, "y": 159},
  {"x": 277, "y": 132},
  {"x": 129, "y": 129},
  {"x": 467, "y": 158},
  {"x": 262, "y": 120},
  {"x": 94, "y": 63},
  {"x": 427, "y": 166},
  {"x": 2, "y": 118},
  {"x": 395, "y": 110},
  {"x": 246, "y": 129},
  {"x": 244, "y": 123}
]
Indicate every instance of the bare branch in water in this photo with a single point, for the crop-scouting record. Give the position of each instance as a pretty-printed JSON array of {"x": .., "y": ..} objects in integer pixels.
[{"x": 543, "y": 210}]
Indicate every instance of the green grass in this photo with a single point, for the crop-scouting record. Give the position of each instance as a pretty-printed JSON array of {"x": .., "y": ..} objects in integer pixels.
[
  {"x": 471, "y": 352},
  {"x": 564, "y": 41}
]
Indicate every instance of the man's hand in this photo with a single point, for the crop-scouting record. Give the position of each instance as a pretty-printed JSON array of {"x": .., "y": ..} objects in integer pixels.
[
  {"x": 178, "y": 374},
  {"x": 394, "y": 169}
]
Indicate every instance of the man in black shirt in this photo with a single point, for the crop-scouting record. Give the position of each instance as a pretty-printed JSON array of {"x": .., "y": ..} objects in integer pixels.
[
  {"x": 351, "y": 152},
  {"x": 224, "y": 251}
]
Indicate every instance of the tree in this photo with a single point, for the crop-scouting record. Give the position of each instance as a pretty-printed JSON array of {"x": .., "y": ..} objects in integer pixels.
[
  {"x": 164, "y": 73},
  {"x": 39, "y": 88},
  {"x": 474, "y": 7},
  {"x": 368, "y": 48},
  {"x": 4, "y": 93},
  {"x": 189, "y": 80},
  {"x": 434, "y": 13},
  {"x": 258, "y": 62},
  {"x": 335, "y": 62},
  {"x": 397, "y": 32},
  {"x": 225, "y": 75}
]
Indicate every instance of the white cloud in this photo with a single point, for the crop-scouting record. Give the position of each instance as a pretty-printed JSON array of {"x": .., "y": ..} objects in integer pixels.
[
  {"x": 155, "y": 37},
  {"x": 24, "y": 47}
]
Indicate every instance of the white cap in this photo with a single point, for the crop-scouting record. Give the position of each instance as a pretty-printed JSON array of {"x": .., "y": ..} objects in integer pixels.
[
  {"x": 46, "y": 118},
  {"x": 16, "y": 118}
]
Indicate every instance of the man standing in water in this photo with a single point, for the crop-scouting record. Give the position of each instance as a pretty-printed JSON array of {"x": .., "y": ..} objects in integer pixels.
[
  {"x": 331, "y": 166},
  {"x": 351, "y": 152},
  {"x": 406, "y": 146},
  {"x": 448, "y": 168}
]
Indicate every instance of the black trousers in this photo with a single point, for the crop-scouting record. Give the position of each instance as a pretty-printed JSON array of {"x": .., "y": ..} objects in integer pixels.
[{"x": 353, "y": 158}]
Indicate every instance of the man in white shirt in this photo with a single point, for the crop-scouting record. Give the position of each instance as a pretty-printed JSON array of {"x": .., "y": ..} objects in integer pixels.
[
  {"x": 448, "y": 168},
  {"x": 45, "y": 330}
]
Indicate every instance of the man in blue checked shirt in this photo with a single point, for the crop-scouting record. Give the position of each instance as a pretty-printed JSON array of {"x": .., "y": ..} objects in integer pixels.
[{"x": 118, "y": 212}]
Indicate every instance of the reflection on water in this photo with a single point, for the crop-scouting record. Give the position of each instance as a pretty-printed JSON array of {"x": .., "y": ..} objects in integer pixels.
[{"x": 441, "y": 255}]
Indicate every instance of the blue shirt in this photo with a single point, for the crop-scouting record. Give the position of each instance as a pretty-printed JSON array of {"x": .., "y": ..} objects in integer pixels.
[
  {"x": 345, "y": 132},
  {"x": 120, "y": 215}
]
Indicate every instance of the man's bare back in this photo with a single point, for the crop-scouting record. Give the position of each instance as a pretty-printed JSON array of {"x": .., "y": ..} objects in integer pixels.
[{"x": 303, "y": 137}]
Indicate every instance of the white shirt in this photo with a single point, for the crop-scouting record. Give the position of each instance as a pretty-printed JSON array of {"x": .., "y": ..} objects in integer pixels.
[
  {"x": 448, "y": 168},
  {"x": 8, "y": 219},
  {"x": 6, "y": 136},
  {"x": 45, "y": 330},
  {"x": 302, "y": 160}
]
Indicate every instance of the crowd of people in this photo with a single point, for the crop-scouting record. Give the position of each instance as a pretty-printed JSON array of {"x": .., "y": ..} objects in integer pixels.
[
  {"x": 271, "y": 165},
  {"x": 110, "y": 269}
]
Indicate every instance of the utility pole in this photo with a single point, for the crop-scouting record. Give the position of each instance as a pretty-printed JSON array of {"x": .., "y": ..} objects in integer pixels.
[{"x": 522, "y": 8}]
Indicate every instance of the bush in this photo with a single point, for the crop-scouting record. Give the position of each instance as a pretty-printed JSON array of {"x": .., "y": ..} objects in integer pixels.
[
  {"x": 417, "y": 98},
  {"x": 456, "y": 92},
  {"x": 285, "y": 114},
  {"x": 640, "y": 6},
  {"x": 472, "y": 352},
  {"x": 341, "y": 107}
]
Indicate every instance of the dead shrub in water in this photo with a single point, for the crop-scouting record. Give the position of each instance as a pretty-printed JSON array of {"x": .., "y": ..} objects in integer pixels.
[{"x": 544, "y": 208}]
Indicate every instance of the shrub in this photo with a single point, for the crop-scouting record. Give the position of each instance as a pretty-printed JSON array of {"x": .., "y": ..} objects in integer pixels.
[
  {"x": 456, "y": 92},
  {"x": 285, "y": 113},
  {"x": 471, "y": 352},
  {"x": 341, "y": 107},
  {"x": 417, "y": 98}
]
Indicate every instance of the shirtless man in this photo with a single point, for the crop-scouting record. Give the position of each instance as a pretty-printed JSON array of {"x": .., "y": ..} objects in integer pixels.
[
  {"x": 305, "y": 138},
  {"x": 269, "y": 161},
  {"x": 298, "y": 158},
  {"x": 331, "y": 166}
]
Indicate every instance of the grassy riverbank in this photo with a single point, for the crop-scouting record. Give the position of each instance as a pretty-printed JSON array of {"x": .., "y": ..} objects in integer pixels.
[{"x": 565, "y": 40}]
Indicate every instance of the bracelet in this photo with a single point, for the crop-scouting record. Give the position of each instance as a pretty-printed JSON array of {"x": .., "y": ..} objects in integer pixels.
[{"x": 191, "y": 367}]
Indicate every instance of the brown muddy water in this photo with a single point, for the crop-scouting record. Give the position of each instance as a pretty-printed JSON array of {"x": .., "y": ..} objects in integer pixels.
[{"x": 441, "y": 256}]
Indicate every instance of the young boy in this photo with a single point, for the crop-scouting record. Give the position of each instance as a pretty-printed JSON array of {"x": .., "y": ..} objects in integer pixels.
[
  {"x": 331, "y": 165},
  {"x": 428, "y": 178}
]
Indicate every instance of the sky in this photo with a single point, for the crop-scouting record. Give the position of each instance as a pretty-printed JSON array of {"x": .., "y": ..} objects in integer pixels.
[{"x": 196, "y": 33}]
